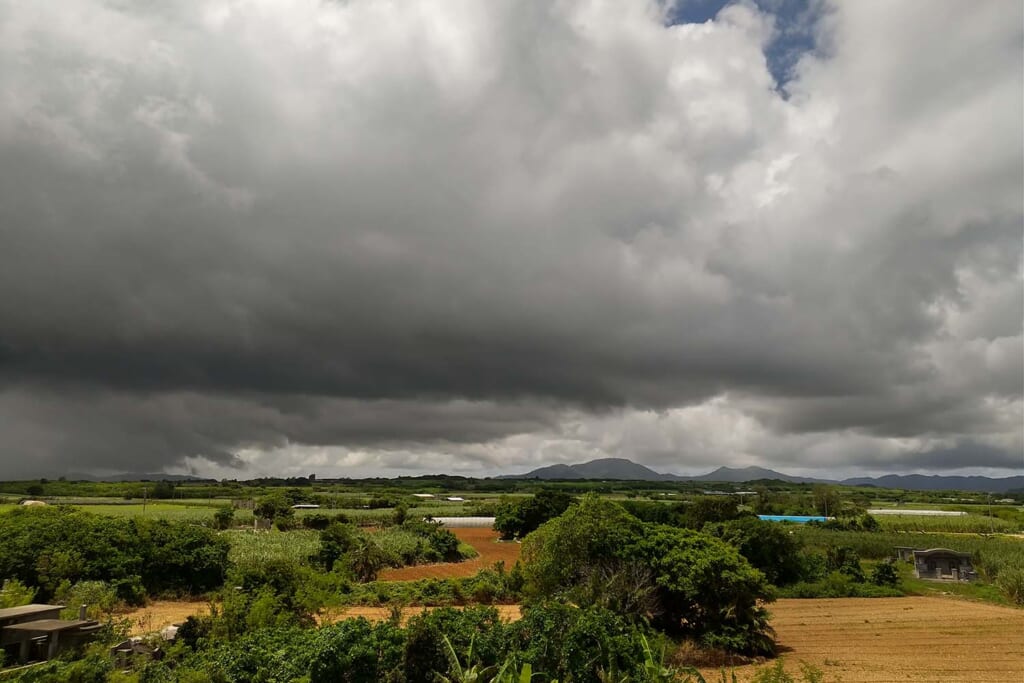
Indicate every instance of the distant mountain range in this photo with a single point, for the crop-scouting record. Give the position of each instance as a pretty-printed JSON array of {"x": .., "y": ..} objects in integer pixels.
[{"x": 626, "y": 470}]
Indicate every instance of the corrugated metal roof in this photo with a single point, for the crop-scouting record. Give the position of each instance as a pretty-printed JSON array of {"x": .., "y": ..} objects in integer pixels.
[{"x": 26, "y": 610}]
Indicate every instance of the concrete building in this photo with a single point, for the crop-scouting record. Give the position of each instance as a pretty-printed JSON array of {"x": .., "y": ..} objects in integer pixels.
[
  {"x": 943, "y": 564},
  {"x": 36, "y": 632}
]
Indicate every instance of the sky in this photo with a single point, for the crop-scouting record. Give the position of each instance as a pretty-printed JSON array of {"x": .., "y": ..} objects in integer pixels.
[{"x": 391, "y": 238}]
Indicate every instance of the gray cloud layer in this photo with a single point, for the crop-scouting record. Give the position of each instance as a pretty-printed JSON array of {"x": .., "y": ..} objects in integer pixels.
[{"x": 443, "y": 235}]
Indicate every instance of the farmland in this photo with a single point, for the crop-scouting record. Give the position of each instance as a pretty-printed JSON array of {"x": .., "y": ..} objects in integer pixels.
[
  {"x": 899, "y": 639},
  {"x": 851, "y": 640},
  {"x": 306, "y": 570},
  {"x": 489, "y": 550}
]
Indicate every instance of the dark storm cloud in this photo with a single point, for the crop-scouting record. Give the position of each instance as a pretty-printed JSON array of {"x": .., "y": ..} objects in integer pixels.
[{"x": 476, "y": 228}]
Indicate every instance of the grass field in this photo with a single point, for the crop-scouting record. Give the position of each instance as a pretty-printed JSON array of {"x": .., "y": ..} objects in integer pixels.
[
  {"x": 971, "y": 523},
  {"x": 169, "y": 511},
  {"x": 249, "y": 547}
]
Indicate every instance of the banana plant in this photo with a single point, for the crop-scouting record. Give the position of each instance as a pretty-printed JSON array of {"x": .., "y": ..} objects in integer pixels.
[{"x": 471, "y": 673}]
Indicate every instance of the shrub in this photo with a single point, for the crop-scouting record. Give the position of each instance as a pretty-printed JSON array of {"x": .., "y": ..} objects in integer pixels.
[
  {"x": 15, "y": 594},
  {"x": 698, "y": 585},
  {"x": 44, "y": 547},
  {"x": 581, "y": 645},
  {"x": 273, "y": 594},
  {"x": 768, "y": 546},
  {"x": 425, "y": 652},
  {"x": 1011, "y": 582},
  {"x": 516, "y": 518},
  {"x": 224, "y": 517},
  {"x": 335, "y": 541},
  {"x": 885, "y": 574},
  {"x": 273, "y": 506},
  {"x": 356, "y": 651},
  {"x": 99, "y": 597},
  {"x": 844, "y": 559}
]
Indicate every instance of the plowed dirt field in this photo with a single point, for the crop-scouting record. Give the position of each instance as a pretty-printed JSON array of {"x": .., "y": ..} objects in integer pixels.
[
  {"x": 900, "y": 639},
  {"x": 486, "y": 543}
]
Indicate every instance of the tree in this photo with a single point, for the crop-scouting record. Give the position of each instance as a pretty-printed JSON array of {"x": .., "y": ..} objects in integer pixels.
[
  {"x": 768, "y": 546},
  {"x": 401, "y": 514},
  {"x": 707, "y": 509},
  {"x": 827, "y": 500},
  {"x": 224, "y": 517},
  {"x": 885, "y": 574},
  {"x": 335, "y": 541},
  {"x": 707, "y": 590},
  {"x": 163, "y": 490},
  {"x": 701, "y": 586},
  {"x": 365, "y": 558},
  {"x": 516, "y": 518},
  {"x": 273, "y": 506}
]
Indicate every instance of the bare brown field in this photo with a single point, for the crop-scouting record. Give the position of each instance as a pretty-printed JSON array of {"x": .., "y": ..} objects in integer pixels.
[
  {"x": 899, "y": 639},
  {"x": 160, "y": 613},
  {"x": 485, "y": 541}
]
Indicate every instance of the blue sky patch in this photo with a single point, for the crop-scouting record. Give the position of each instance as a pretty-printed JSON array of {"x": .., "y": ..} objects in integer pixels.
[{"x": 795, "y": 23}]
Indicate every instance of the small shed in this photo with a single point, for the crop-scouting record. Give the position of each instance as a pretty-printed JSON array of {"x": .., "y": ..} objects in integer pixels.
[
  {"x": 943, "y": 564},
  {"x": 45, "y": 638}
]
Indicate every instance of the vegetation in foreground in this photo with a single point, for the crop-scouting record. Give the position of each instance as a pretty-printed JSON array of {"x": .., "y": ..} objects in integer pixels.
[{"x": 625, "y": 583}]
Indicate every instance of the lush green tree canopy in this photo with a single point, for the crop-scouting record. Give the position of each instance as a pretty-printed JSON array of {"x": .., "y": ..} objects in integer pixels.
[
  {"x": 680, "y": 580},
  {"x": 516, "y": 518}
]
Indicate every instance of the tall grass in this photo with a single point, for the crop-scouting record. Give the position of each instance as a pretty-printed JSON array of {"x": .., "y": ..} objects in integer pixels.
[
  {"x": 251, "y": 548},
  {"x": 991, "y": 554},
  {"x": 969, "y": 524}
]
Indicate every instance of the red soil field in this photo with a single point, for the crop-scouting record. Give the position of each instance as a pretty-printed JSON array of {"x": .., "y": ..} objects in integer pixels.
[{"x": 486, "y": 543}]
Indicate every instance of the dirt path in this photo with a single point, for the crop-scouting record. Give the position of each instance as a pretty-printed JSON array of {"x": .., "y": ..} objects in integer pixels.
[
  {"x": 486, "y": 543},
  {"x": 899, "y": 639}
]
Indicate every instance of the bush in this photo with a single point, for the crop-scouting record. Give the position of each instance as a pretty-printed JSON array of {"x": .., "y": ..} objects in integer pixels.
[
  {"x": 581, "y": 645},
  {"x": 356, "y": 651},
  {"x": 838, "y": 585},
  {"x": 99, "y": 597},
  {"x": 272, "y": 594},
  {"x": 15, "y": 594},
  {"x": 517, "y": 518},
  {"x": 425, "y": 653},
  {"x": 768, "y": 546},
  {"x": 885, "y": 574},
  {"x": 274, "y": 506},
  {"x": 44, "y": 547},
  {"x": 317, "y": 522},
  {"x": 335, "y": 541},
  {"x": 1011, "y": 582},
  {"x": 224, "y": 517},
  {"x": 844, "y": 559},
  {"x": 684, "y": 582}
]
